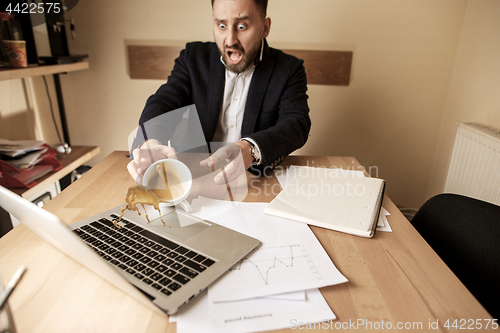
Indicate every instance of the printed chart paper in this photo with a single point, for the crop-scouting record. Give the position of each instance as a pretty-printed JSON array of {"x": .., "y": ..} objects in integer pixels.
[{"x": 289, "y": 259}]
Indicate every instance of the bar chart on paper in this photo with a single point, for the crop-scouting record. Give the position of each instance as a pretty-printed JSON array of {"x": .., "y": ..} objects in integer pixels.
[{"x": 273, "y": 265}]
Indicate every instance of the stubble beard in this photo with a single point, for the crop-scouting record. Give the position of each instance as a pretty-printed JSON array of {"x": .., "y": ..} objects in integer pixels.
[{"x": 247, "y": 60}]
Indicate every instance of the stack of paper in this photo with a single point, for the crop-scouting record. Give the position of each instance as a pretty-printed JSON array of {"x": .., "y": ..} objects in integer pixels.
[
  {"x": 273, "y": 287},
  {"x": 342, "y": 200},
  {"x": 22, "y": 162},
  {"x": 14, "y": 148},
  {"x": 22, "y": 154},
  {"x": 285, "y": 175}
]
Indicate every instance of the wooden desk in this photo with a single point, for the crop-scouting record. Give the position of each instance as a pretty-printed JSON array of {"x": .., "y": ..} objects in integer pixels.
[{"x": 394, "y": 277}]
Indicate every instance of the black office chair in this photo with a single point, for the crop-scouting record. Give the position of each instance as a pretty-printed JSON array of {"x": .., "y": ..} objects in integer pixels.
[{"x": 465, "y": 233}]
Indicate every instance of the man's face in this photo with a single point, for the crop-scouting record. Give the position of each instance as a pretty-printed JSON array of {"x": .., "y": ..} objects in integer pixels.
[{"x": 238, "y": 31}]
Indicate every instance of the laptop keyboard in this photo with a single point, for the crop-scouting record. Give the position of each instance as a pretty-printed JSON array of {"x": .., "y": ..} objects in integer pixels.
[{"x": 156, "y": 261}]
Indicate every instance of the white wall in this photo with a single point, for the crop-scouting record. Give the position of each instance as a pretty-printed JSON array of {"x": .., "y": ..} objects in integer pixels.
[
  {"x": 473, "y": 91},
  {"x": 16, "y": 116},
  {"x": 25, "y": 112}
]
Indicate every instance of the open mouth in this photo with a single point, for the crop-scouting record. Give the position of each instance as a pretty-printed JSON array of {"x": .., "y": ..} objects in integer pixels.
[{"x": 234, "y": 56}]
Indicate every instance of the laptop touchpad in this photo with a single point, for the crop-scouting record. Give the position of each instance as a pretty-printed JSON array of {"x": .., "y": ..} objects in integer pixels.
[{"x": 179, "y": 225}]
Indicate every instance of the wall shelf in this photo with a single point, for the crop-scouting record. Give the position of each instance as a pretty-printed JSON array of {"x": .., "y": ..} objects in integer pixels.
[
  {"x": 38, "y": 70},
  {"x": 79, "y": 154}
]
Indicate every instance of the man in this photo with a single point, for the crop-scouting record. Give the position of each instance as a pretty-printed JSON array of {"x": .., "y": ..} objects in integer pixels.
[{"x": 244, "y": 92}]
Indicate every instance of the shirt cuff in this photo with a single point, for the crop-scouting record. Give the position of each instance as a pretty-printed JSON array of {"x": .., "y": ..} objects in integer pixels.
[{"x": 257, "y": 150}]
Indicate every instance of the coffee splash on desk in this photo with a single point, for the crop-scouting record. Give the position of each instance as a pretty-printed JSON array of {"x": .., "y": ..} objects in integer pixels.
[{"x": 161, "y": 188}]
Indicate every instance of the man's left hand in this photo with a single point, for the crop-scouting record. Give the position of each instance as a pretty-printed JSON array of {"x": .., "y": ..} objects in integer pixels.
[{"x": 239, "y": 158}]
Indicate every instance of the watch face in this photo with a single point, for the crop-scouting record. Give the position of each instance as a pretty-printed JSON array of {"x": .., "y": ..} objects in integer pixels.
[{"x": 255, "y": 153}]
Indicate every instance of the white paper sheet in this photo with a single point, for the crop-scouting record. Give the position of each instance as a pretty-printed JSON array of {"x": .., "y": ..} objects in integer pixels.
[
  {"x": 294, "y": 296},
  {"x": 383, "y": 223},
  {"x": 289, "y": 259},
  {"x": 253, "y": 315}
]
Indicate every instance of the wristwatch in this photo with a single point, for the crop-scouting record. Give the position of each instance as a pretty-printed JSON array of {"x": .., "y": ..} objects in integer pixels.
[{"x": 255, "y": 152}]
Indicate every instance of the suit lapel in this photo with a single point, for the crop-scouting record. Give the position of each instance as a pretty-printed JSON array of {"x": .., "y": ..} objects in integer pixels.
[
  {"x": 258, "y": 87},
  {"x": 215, "y": 95}
]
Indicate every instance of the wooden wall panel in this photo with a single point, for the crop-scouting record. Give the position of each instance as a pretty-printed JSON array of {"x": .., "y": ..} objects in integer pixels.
[
  {"x": 322, "y": 67},
  {"x": 152, "y": 62},
  {"x": 325, "y": 67}
]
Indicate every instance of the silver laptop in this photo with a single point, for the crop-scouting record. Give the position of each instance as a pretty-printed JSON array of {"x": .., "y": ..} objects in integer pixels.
[{"x": 165, "y": 265}]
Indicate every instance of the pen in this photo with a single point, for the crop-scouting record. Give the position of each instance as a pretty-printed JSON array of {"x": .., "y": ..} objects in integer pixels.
[{"x": 12, "y": 284}]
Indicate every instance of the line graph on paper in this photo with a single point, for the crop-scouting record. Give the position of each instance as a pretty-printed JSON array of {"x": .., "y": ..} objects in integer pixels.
[
  {"x": 274, "y": 265},
  {"x": 276, "y": 268}
]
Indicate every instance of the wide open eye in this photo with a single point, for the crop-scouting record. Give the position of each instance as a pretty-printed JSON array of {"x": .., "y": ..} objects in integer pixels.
[
  {"x": 222, "y": 26},
  {"x": 241, "y": 26}
]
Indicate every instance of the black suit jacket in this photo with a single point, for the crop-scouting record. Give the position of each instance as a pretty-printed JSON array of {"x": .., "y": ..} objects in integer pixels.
[{"x": 276, "y": 113}]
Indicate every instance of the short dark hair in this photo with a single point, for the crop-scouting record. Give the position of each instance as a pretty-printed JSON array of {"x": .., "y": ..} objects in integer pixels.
[{"x": 261, "y": 4}]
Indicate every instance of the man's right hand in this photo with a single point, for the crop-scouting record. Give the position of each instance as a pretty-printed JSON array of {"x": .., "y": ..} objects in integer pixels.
[{"x": 145, "y": 155}]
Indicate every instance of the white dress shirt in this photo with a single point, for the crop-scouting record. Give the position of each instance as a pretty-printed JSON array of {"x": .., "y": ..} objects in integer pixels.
[{"x": 233, "y": 106}]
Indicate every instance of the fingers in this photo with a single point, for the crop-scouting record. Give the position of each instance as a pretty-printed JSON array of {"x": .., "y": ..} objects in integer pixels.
[
  {"x": 168, "y": 152},
  {"x": 231, "y": 154},
  {"x": 230, "y": 172},
  {"x": 209, "y": 161},
  {"x": 142, "y": 160},
  {"x": 149, "y": 144},
  {"x": 134, "y": 172},
  {"x": 137, "y": 154},
  {"x": 144, "y": 157},
  {"x": 226, "y": 153}
]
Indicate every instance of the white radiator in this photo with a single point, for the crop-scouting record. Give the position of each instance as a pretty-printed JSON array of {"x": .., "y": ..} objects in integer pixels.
[{"x": 474, "y": 168}]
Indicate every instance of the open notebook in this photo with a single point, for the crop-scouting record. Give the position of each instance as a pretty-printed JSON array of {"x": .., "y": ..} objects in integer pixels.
[{"x": 333, "y": 199}]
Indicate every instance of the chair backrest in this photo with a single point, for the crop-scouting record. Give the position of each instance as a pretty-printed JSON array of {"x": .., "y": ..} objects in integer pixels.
[{"x": 465, "y": 233}]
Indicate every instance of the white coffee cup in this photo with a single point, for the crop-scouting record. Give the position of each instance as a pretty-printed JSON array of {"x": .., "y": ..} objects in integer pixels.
[{"x": 179, "y": 179}]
